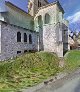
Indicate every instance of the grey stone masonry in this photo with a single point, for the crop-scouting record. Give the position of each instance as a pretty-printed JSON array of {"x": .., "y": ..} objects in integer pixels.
[
  {"x": 8, "y": 41},
  {"x": 43, "y": 27}
]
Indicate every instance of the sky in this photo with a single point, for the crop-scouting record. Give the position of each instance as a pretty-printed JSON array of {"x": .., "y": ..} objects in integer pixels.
[{"x": 71, "y": 8}]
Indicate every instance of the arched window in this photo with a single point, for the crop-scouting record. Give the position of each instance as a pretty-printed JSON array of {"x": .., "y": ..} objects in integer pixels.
[
  {"x": 39, "y": 20},
  {"x": 18, "y": 52},
  {"x": 18, "y": 37},
  {"x": 39, "y": 3},
  {"x": 30, "y": 39},
  {"x": 25, "y": 37},
  {"x": 47, "y": 18}
]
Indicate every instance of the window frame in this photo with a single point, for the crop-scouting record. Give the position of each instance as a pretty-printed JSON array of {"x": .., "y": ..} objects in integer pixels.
[
  {"x": 39, "y": 3},
  {"x": 25, "y": 37},
  {"x": 18, "y": 36},
  {"x": 18, "y": 52},
  {"x": 30, "y": 39},
  {"x": 47, "y": 16},
  {"x": 25, "y": 51}
]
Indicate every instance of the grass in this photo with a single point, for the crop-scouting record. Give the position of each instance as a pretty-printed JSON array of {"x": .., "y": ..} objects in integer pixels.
[
  {"x": 72, "y": 60},
  {"x": 27, "y": 70},
  {"x": 33, "y": 68}
]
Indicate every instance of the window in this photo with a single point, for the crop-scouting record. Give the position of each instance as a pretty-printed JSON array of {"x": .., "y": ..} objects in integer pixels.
[
  {"x": 31, "y": 51},
  {"x": 25, "y": 51},
  {"x": 65, "y": 32},
  {"x": 39, "y": 3},
  {"x": 18, "y": 52},
  {"x": 47, "y": 18},
  {"x": 25, "y": 37},
  {"x": 70, "y": 47},
  {"x": 30, "y": 39},
  {"x": 40, "y": 20},
  {"x": 18, "y": 37}
]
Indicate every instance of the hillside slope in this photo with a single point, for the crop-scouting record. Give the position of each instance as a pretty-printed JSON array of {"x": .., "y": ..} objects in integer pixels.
[
  {"x": 72, "y": 60},
  {"x": 27, "y": 70}
]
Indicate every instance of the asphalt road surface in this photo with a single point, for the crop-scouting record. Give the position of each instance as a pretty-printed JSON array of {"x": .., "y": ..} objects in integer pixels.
[{"x": 70, "y": 83}]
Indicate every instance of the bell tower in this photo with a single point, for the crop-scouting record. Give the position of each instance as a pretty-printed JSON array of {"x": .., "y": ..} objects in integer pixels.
[{"x": 34, "y": 5}]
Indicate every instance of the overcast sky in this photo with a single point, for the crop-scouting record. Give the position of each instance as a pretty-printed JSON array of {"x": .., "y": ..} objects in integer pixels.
[{"x": 71, "y": 8}]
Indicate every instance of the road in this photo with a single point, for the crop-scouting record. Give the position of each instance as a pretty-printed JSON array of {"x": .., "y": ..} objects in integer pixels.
[{"x": 70, "y": 83}]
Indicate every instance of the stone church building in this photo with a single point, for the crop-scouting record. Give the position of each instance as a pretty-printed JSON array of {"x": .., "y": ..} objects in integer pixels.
[{"x": 43, "y": 28}]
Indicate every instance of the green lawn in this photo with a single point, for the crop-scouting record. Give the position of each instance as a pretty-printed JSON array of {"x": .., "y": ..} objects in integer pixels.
[
  {"x": 72, "y": 60},
  {"x": 32, "y": 68},
  {"x": 27, "y": 70}
]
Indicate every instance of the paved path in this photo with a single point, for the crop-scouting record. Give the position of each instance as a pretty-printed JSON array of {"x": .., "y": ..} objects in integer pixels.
[{"x": 70, "y": 83}]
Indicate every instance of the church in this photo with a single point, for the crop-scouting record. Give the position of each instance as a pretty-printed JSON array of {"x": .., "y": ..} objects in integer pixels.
[{"x": 42, "y": 28}]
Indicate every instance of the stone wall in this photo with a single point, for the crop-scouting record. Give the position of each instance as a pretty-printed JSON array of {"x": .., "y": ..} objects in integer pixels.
[
  {"x": 65, "y": 37},
  {"x": 52, "y": 31},
  {"x": 0, "y": 37},
  {"x": 49, "y": 38},
  {"x": 32, "y": 10},
  {"x": 9, "y": 44}
]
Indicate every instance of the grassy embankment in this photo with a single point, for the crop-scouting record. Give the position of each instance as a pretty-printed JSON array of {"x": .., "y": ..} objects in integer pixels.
[
  {"x": 72, "y": 60},
  {"x": 27, "y": 70}
]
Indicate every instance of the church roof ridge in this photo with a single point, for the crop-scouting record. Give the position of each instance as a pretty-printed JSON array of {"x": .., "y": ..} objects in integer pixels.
[{"x": 8, "y": 2}]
